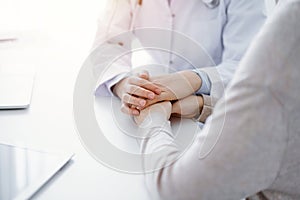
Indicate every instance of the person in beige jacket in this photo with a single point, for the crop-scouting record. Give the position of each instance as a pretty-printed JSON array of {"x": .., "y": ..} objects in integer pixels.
[{"x": 257, "y": 154}]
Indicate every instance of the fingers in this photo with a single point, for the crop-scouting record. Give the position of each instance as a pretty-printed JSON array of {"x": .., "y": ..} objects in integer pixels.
[
  {"x": 164, "y": 96},
  {"x": 145, "y": 84},
  {"x": 136, "y": 91},
  {"x": 144, "y": 75},
  {"x": 153, "y": 101},
  {"x": 137, "y": 102},
  {"x": 140, "y": 92},
  {"x": 127, "y": 109}
]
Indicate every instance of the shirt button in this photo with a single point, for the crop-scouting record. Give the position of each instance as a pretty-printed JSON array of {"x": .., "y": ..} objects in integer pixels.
[
  {"x": 173, "y": 15},
  {"x": 171, "y": 62}
]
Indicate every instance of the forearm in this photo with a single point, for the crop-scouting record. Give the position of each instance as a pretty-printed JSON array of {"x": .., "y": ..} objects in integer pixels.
[
  {"x": 189, "y": 107},
  {"x": 192, "y": 78},
  {"x": 218, "y": 166}
]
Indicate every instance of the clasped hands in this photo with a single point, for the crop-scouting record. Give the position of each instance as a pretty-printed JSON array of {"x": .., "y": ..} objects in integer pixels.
[{"x": 141, "y": 94}]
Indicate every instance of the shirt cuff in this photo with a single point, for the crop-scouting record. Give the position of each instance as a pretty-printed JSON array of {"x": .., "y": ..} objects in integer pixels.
[{"x": 206, "y": 84}]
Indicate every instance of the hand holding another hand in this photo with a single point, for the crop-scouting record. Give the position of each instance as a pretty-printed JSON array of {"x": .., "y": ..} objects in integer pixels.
[
  {"x": 175, "y": 86},
  {"x": 134, "y": 91},
  {"x": 140, "y": 91},
  {"x": 159, "y": 111}
]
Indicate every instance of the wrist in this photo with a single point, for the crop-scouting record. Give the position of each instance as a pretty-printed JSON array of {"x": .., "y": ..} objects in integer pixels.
[
  {"x": 194, "y": 79},
  {"x": 117, "y": 88},
  {"x": 154, "y": 119}
]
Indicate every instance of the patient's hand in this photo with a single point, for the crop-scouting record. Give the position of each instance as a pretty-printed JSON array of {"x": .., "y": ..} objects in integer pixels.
[
  {"x": 175, "y": 86},
  {"x": 188, "y": 107},
  {"x": 159, "y": 111},
  {"x": 134, "y": 91}
]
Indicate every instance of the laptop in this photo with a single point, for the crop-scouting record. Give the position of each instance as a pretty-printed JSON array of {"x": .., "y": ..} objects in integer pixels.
[
  {"x": 23, "y": 171},
  {"x": 15, "y": 91}
]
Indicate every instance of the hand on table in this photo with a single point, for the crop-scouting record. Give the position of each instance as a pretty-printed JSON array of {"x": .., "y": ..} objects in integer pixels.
[
  {"x": 139, "y": 92},
  {"x": 134, "y": 91}
]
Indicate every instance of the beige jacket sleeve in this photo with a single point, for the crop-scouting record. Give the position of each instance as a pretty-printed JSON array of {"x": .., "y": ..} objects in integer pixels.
[{"x": 242, "y": 147}]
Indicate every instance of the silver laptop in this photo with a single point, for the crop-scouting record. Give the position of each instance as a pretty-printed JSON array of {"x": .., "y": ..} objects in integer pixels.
[
  {"x": 23, "y": 171},
  {"x": 15, "y": 91}
]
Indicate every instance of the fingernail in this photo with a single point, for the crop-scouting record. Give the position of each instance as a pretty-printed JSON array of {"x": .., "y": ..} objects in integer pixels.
[
  {"x": 135, "y": 112},
  {"x": 151, "y": 96},
  {"x": 157, "y": 91},
  {"x": 142, "y": 102}
]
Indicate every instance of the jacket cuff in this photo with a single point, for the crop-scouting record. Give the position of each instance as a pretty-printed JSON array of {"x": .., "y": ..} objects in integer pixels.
[
  {"x": 217, "y": 90},
  {"x": 207, "y": 108}
]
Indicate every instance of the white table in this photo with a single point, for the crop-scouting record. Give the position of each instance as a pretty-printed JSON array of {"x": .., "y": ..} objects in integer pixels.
[{"x": 48, "y": 124}]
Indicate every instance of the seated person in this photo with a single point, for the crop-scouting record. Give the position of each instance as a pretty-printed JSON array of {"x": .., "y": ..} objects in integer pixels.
[
  {"x": 224, "y": 28},
  {"x": 257, "y": 154}
]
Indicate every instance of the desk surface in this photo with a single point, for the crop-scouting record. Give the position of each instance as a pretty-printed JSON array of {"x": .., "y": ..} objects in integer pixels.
[{"x": 48, "y": 124}]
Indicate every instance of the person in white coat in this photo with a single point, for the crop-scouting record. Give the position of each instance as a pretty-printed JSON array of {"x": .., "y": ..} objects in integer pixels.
[
  {"x": 224, "y": 28},
  {"x": 257, "y": 155}
]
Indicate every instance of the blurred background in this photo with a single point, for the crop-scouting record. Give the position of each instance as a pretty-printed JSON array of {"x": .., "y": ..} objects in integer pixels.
[
  {"x": 52, "y": 16},
  {"x": 52, "y": 40},
  {"x": 68, "y": 24}
]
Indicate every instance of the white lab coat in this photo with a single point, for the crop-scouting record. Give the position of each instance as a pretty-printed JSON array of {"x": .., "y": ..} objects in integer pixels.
[{"x": 225, "y": 33}]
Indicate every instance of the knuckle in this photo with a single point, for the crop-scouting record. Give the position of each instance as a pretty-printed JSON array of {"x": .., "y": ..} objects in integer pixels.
[
  {"x": 131, "y": 89},
  {"x": 150, "y": 85},
  {"x": 134, "y": 100},
  {"x": 144, "y": 93},
  {"x": 125, "y": 97},
  {"x": 141, "y": 82},
  {"x": 130, "y": 99}
]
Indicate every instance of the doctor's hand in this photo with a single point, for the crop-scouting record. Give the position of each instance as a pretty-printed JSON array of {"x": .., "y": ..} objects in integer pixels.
[
  {"x": 134, "y": 91},
  {"x": 188, "y": 107},
  {"x": 175, "y": 86},
  {"x": 156, "y": 113}
]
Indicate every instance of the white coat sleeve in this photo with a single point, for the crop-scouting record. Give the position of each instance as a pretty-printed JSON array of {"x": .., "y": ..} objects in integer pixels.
[
  {"x": 244, "y": 19},
  {"x": 113, "y": 40}
]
